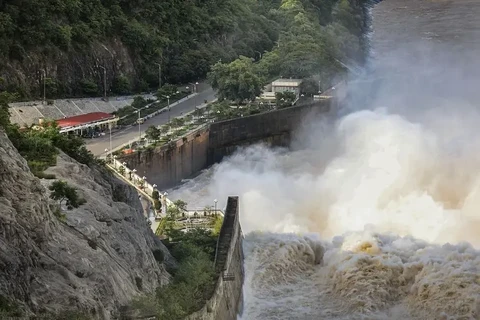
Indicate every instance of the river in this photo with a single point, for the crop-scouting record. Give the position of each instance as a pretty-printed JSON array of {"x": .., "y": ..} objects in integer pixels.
[{"x": 375, "y": 215}]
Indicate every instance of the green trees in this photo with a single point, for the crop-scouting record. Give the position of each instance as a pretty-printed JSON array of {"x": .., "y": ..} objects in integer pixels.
[
  {"x": 236, "y": 81},
  {"x": 166, "y": 90},
  {"x": 152, "y": 133},
  {"x": 185, "y": 37},
  {"x": 121, "y": 85},
  {"x": 314, "y": 36},
  {"x": 40, "y": 145},
  {"x": 193, "y": 280},
  {"x": 61, "y": 192},
  {"x": 309, "y": 87},
  {"x": 285, "y": 99}
]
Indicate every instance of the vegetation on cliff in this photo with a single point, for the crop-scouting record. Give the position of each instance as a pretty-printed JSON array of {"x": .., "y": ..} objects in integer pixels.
[
  {"x": 194, "y": 278},
  {"x": 184, "y": 37},
  {"x": 69, "y": 43},
  {"x": 315, "y": 39},
  {"x": 40, "y": 146}
]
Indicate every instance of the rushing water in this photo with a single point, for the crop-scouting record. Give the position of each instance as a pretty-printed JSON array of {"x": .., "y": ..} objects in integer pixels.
[{"x": 375, "y": 215}]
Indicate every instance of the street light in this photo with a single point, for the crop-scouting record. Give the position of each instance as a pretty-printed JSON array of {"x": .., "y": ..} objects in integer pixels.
[
  {"x": 168, "y": 104},
  {"x": 194, "y": 86},
  {"x": 104, "y": 83},
  {"x": 138, "y": 120},
  {"x": 44, "y": 86},
  {"x": 215, "y": 201},
  {"x": 110, "y": 134}
]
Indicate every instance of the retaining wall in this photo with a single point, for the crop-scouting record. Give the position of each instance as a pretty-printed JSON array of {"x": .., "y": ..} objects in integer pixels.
[
  {"x": 226, "y": 301},
  {"x": 274, "y": 128},
  {"x": 168, "y": 165}
]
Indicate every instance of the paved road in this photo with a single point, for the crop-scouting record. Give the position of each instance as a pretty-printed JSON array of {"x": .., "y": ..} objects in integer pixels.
[{"x": 98, "y": 145}]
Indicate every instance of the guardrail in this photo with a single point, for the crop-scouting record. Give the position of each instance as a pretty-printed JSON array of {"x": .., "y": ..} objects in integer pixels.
[
  {"x": 141, "y": 184},
  {"x": 142, "y": 136}
]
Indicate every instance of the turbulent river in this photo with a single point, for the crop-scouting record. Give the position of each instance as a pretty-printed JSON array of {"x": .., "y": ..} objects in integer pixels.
[{"x": 374, "y": 215}]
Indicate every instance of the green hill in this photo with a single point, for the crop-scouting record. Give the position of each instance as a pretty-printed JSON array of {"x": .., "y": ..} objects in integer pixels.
[{"x": 72, "y": 40}]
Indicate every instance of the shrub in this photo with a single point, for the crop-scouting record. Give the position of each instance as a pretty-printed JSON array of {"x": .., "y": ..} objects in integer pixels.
[
  {"x": 193, "y": 280},
  {"x": 158, "y": 255},
  {"x": 61, "y": 192},
  {"x": 8, "y": 308},
  {"x": 157, "y": 204},
  {"x": 89, "y": 87}
]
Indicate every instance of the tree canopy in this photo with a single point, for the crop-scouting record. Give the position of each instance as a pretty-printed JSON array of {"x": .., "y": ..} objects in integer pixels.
[
  {"x": 71, "y": 38},
  {"x": 236, "y": 81},
  {"x": 184, "y": 37},
  {"x": 61, "y": 192},
  {"x": 314, "y": 37}
]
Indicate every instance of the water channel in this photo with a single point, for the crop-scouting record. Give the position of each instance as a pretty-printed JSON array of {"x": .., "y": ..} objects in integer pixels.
[{"x": 379, "y": 217}]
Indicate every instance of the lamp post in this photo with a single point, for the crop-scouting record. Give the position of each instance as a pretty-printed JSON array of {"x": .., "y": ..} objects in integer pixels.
[
  {"x": 110, "y": 133},
  {"x": 194, "y": 86},
  {"x": 44, "y": 86},
  {"x": 168, "y": 104},
  {"x": 133, "y": 171},
  {"x": 104, "y": 83},
  {"x": 215, "y": 201}
]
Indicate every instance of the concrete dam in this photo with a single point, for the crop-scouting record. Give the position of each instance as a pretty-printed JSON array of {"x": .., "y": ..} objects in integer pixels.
[
  {"x": 168, "y": 165},
  {"x": 372, "y": 211}
]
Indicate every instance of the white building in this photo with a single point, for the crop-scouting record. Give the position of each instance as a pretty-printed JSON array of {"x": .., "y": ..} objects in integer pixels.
[{"x": 281, "y": 85}]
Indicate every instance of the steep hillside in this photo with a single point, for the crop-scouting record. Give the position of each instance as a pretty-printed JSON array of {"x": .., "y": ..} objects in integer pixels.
[
  {"x": 94, "y": 259},
  {"x": 70, "y": 42}
]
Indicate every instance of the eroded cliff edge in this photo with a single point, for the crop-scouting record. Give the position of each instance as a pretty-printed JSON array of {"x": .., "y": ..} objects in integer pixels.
[{"x": 94, "y": 261}]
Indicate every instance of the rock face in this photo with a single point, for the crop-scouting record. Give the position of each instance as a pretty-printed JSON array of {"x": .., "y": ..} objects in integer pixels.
[{"x": 95, "y": 260}]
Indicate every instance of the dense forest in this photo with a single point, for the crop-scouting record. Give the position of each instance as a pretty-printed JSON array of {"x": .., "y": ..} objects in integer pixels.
[{"x": 70, "y": 42}]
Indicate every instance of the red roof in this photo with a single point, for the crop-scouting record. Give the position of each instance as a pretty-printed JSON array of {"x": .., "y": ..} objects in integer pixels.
[{"x": 83, "y": 119}]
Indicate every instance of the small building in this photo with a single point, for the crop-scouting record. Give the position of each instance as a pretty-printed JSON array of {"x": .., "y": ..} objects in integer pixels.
[
  {"x": 281, "y": 85},
  {"x": 100, "y": 121}
]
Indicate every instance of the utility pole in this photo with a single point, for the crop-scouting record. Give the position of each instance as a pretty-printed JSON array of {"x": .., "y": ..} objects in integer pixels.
[
  {"x": 104, "y": 83},
  {"x": 168, "y": 106},
  {"x": 44, "y": 86},
  {"x": 110, "y": 129},
  {"x": 139, "y": 130}
]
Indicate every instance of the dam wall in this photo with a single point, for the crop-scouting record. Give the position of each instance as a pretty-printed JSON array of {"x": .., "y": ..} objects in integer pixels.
[
  {"x": 168, "y": 165},
  {"x": 274, "y": 128},
  {"x": 226, "y": 301}
]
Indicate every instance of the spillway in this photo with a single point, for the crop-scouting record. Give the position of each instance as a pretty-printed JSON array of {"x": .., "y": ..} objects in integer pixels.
[{"x": 376, "y": 214}]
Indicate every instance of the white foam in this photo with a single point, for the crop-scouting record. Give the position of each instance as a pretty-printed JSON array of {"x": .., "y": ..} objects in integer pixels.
[{"x": 384, "y": 198}]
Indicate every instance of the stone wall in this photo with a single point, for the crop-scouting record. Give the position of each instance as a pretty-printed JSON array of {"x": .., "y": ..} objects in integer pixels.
[
  {"x": 167, "y": 166},
  {"x": 274, "y": 128},
  {"x": 226, "y": 301}
]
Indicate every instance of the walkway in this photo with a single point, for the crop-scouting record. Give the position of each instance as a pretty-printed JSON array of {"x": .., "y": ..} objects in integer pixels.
[{"x": 98, "y": 145}]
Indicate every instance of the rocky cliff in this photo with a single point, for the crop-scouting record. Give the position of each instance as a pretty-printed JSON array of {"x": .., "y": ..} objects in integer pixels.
[{"x": 94, "y": 260}]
